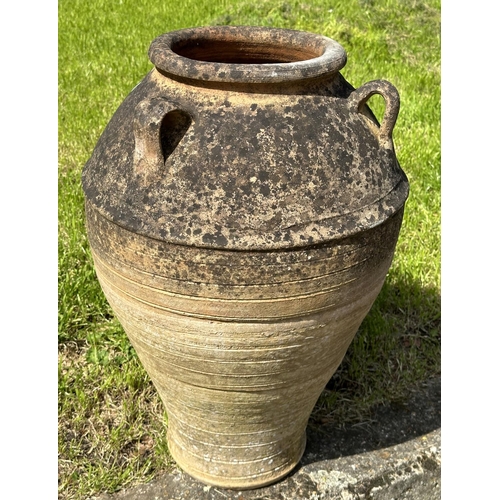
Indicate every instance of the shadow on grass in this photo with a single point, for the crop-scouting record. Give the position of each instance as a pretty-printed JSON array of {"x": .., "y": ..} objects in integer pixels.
[
  {"x": 390, "y": 425},
  {"x": 393, "y": 368}
]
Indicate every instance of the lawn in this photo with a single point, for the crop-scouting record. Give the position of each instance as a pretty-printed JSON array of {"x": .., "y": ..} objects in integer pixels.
[{"x": 111, "y": 421}]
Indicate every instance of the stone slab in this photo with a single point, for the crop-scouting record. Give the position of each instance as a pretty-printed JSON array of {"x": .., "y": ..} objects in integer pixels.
[{"x": 394, "y": 456}]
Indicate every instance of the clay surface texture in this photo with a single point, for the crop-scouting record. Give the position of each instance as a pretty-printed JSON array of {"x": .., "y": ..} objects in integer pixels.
[{"x": 243, "y": 207}]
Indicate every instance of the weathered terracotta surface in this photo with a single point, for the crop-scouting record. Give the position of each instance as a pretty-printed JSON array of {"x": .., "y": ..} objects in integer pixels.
[{"x": 243, "y": 207}]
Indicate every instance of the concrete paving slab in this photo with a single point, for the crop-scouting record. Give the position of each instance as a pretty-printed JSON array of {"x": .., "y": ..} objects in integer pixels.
[{"x": 394, "y": 456}]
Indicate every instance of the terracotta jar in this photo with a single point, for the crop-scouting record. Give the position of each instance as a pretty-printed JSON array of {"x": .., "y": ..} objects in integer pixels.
[{"x": 243, "y": 207}]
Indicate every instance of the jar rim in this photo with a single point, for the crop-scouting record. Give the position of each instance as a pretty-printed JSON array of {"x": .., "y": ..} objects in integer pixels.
[{"x": 246, "y": 54}]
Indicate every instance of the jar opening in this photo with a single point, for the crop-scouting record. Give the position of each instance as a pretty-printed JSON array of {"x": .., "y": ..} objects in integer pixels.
[
  {"x": 240, "y": 52},
  {"x": 246, "y": 54}
]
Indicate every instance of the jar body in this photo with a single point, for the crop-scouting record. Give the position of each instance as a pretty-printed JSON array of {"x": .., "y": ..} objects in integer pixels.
[
  {"x": 242, "y": 222},
  {"x": 239, "y": 345}
]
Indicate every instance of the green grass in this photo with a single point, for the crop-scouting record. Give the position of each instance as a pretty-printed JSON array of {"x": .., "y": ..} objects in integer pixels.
[{"x": 111, "y": 422}]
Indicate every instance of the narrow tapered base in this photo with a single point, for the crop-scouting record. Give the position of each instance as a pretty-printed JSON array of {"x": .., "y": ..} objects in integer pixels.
[{"x": 236, "y": 480}]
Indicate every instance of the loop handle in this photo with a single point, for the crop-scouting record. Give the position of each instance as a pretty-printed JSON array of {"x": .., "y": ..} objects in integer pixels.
[
  {"x": 360, "y": 96},
  {"x": 149, "y": 156}
]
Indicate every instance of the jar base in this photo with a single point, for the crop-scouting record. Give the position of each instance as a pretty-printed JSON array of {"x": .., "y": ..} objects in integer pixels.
[{"x": 235, "y": 483}]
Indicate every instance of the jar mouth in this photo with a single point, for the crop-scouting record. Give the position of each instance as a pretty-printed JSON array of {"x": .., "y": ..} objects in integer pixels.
[{"x": 246, "y": 54}]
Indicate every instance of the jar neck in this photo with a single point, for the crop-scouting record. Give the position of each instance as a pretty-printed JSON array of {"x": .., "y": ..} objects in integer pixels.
[{"x": 328, "y": 85}]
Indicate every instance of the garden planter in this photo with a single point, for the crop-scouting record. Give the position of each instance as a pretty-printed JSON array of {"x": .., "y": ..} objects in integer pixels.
[{"x": 243, "y": 207}]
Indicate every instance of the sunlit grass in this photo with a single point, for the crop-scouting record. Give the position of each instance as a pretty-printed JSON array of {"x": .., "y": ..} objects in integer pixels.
[{"x": 111, "y": 421}]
